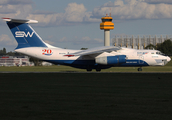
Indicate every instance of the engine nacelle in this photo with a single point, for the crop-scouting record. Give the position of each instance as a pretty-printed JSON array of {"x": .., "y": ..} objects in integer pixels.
[{"x": 111, "y": 60}]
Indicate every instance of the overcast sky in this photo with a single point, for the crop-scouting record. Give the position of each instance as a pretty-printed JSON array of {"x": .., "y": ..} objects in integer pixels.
[{"x": 75, "y": 23}]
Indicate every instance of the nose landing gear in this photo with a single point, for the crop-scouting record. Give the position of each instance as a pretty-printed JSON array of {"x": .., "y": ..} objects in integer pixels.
[{"x": 139, "y": 69}]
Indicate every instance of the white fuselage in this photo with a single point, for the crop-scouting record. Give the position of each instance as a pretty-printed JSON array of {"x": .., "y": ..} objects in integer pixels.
[{"x": 134, "y": 57}]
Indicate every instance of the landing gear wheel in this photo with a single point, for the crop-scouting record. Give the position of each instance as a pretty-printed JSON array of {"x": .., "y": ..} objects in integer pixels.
[
  {"x": 98, "y": 69},
  {"x": 89, "y": 69},
  {"x": 139, "y": 69}
]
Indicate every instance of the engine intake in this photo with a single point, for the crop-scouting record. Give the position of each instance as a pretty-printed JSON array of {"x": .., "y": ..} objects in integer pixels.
[{"x": 111, "y": 60}]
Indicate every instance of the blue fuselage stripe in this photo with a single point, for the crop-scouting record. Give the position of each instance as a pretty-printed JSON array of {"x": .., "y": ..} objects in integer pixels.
[{"x": 129, "y": 63}]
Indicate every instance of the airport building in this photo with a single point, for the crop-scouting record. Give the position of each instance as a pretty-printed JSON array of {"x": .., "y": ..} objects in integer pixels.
[
  {"x": 18, "y": 61},
  {"x": 140, "y": 41},
  {"x": 14, "y": 61}
]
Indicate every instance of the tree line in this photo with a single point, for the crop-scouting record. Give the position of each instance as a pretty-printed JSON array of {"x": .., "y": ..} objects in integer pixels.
[
  {"x": 165, "y": 47},
  {"x": 4, "y": 52}
]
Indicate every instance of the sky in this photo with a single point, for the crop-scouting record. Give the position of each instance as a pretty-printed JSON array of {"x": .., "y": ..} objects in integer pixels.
[{"x": 75, "y": 24}]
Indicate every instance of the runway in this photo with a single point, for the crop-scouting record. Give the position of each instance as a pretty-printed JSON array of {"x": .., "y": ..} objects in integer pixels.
[
  {"x": 85, "y": 96},
  {"x": 97, "y": 72}
]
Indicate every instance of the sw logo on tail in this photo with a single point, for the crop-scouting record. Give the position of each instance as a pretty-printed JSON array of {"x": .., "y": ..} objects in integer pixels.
[
  {"x": 31, "y": 44},
  {"x": 23, "y": 34}
]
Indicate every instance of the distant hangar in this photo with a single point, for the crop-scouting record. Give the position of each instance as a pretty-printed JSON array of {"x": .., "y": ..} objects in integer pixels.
[{"x": 140, "y": 41}]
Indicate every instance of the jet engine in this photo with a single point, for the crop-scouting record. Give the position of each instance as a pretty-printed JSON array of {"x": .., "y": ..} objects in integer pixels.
[{"x": 111, "y": 60}]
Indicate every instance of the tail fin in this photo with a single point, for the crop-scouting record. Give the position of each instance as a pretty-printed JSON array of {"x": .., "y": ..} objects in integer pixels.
[{"x": 24, "y": 33}]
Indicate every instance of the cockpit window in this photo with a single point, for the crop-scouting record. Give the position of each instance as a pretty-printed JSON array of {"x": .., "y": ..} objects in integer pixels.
[{"x": 160, "y": 53}]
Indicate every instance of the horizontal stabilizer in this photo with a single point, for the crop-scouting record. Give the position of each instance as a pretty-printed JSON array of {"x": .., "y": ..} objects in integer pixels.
[{"x": 19, "y": 20}]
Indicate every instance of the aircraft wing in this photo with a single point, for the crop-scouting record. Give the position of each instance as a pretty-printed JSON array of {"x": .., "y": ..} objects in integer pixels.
[{"x": 97, "y": 50}]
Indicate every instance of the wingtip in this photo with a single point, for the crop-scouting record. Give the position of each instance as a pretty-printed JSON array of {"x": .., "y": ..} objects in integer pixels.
[{"x": 6, "y": 19}]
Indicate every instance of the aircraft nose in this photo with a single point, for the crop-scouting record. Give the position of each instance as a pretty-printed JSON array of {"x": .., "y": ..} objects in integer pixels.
[{"x": 168, "y": 59}]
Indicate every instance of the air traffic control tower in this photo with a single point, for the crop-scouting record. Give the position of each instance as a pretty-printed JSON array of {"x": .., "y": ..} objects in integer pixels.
[{"x": 107, "y": 25}]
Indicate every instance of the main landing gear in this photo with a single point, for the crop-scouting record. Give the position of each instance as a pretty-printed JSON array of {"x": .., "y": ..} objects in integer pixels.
[
  {"x": 139, "y": 69},
  {"x": 97, "y": 70},
  {"x": 89, "y": 69}
]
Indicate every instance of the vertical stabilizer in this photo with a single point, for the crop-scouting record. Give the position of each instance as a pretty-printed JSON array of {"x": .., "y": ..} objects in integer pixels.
[{"x": 24, "y": 33}]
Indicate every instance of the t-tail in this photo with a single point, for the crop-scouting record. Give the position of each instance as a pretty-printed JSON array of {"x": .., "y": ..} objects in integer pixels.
[{"x": 24, "y": 33}]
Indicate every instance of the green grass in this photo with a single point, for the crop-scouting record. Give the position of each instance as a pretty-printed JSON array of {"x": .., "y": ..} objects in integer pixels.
[
  {"x": 61, "y": 68},
  {"x": 70, "y": 69}
]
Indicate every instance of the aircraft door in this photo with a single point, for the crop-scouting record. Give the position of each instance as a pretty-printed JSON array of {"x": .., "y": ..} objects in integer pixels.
[{"x": 141, "y": 59}]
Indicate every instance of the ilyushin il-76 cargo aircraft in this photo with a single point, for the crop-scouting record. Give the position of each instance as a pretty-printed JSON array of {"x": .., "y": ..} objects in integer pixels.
[{"x": 31, "y": 44}]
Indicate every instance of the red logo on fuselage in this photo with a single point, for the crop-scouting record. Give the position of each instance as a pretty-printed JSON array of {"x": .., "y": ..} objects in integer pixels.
[{"x": 47, "y": 52}]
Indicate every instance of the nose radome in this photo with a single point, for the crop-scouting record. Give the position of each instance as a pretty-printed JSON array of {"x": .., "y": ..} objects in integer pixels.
[{"x": 168, "y": 59}]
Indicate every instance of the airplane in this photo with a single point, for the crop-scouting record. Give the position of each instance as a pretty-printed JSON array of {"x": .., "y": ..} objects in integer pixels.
[{"x": 31, "y": 44}]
